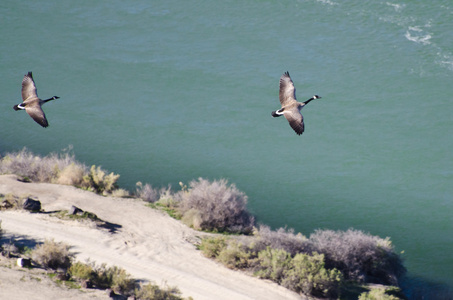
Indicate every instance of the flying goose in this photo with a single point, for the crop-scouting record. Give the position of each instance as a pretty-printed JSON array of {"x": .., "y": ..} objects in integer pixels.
[
  {"x": 31, "y": 103},
  {"x": 290, "y": 107}
]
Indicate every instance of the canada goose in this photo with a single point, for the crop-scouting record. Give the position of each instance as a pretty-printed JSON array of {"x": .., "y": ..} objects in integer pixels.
[
  {"x": 290, "y": 107},
  {"x": 31, "y": 103}
]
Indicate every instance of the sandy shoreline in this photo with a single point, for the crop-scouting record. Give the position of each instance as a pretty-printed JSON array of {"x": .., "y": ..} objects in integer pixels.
[{"x": 148, "y": 244}]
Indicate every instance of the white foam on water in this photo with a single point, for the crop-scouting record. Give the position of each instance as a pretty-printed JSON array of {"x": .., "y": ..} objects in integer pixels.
[
  {"x": 417, "y": 35},
  {"x": 446, "y": 61},
  {"x": 397, "y": 7},
  {"x": 327, "y": 2}
]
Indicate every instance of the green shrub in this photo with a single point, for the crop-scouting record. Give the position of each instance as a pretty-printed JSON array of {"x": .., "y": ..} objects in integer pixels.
[
  {"x": 377, "y": 294},
  {"x": 222, "y": 207},
  {"x": 273, "y": 263},
  {"x": 212, "y": 246},
  {"x": 115, "y": 278},
  {"x": 235, "y": 256},
  {"x": 122, "y": 281},
  {"x": 153, "y": 292},
  {"x": 53, "y": 255},
  {"x": 82, "y": 271},
  {"x": 306, "y": 274}
]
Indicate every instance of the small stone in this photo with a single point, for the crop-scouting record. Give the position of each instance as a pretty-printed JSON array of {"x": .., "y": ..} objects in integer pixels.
[
  {"x": 32, "y": 205},
  {"x": 74, "y": 210}
]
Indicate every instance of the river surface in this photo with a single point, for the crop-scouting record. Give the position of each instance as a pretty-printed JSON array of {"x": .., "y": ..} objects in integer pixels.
[{"x": 168, "y": 91}]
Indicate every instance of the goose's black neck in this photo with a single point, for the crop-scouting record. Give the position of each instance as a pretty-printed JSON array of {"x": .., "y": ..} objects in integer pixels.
[
  {"x": 53, "y": 98},
  {"x": 306, "y": 102}
]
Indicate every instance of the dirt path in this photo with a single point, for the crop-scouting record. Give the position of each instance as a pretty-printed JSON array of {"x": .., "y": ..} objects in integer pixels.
[{"x": 147, "y": 243}]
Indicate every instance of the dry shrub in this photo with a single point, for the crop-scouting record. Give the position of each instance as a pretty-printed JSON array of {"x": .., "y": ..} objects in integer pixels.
[
  {"x": 146, "y": 192},
  {"x": 120, "y": 193},
  {"x": 167, "y": 199},
  {"x": 60, "y": 168},
  {"x": 359, "y": 256},
  {"x": 281, "y": 238},
  {"x": 222, "y": 207},
  {"x": 71, "y": 175},
  {"x": 37, "y": 168},
  {"x": 53, "y": 255},
  {"x": 98, "y": 181},
  {"x": 192, "y": 218}
]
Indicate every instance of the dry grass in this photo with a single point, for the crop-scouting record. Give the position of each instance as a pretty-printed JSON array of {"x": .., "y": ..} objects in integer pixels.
[
  {"x": 10, "y": 201},
  {"x": 62, "y": 169}
]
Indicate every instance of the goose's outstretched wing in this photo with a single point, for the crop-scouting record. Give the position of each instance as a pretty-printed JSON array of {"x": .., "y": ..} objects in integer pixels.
[
  {"x": 295, "y": 119},
  {"x": 37, "y": 114},
  {"x": 28, "y": 88},
  {"x": 287, "y": 92}
]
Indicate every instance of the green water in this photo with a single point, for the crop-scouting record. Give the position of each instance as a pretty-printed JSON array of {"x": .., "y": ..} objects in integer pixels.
[{"x": 168, "y": 91}]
